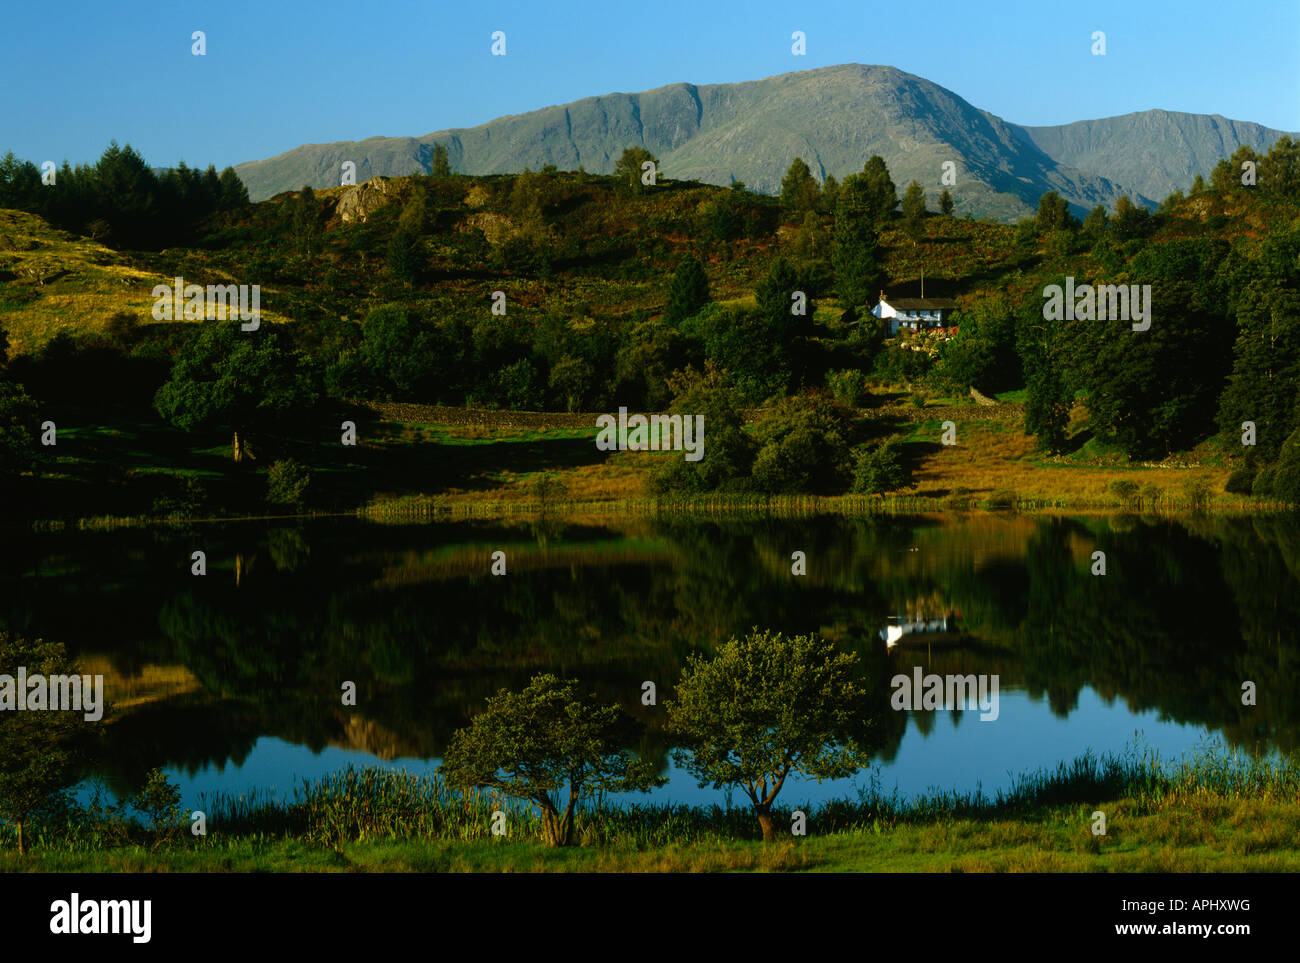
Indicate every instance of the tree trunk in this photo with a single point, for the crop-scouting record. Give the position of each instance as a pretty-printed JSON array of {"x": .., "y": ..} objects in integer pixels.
[
  {"x": 765, "y": 821},
  {"x": 569, "y": 817},
  {"x": 21, "y": 850},
  {"x": 550, "y": 827},
  {"x": 239, "y": 448},
  {"x": 557, "y": 830}
]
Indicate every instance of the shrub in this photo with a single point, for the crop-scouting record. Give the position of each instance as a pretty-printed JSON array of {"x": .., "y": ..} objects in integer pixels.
[
  {"x": 1124, "y": 490},
  {"x": 160, "y": 800},
  {"x": 286, "y": 483},
  {"x": 902, "y": 365},
  {"x": 516, "y": 386},
  {"x": 1263, "y": 484},
  {"x": 1197, "y": 492},
  {"x": 879, "y": 469},
  {"x": 803, "y": 446},
  {"x": 1004, "y": 499},
  {"x": 1152, "y": 494},
  {"x": 960, "y": 498},
  {"x": 1286, "y": 471},
  {"x": 728, "y": 455},
  {"x": 185, "y": 500},
  {"x": 1241, "y": 481},
  {"x": 849, "y": 386},
  {"x": 546, "y": 489}
]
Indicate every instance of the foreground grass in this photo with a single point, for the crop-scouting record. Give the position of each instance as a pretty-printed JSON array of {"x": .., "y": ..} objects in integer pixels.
[
  {"x": 1213, "y": 813},
  {"x": 1248, "y": 836}
]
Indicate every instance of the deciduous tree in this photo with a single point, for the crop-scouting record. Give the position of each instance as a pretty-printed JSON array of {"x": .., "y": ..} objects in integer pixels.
[
  {"x": 544, "y": 744},
  {"x": 244, "y": 381},
  {"x": 38, "y": 749},
  {"x": 766, "y": 707}
]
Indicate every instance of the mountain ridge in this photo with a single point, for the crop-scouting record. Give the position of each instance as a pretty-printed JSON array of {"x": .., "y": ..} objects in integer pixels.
[{"x": 833, "y": 117}]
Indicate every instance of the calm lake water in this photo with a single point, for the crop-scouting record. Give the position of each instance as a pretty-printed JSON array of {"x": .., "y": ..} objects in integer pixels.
[{"x": 231, "y": 681}]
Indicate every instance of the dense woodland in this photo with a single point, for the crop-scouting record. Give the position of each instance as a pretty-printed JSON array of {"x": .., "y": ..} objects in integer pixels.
[{"x": 680, "y": 296}]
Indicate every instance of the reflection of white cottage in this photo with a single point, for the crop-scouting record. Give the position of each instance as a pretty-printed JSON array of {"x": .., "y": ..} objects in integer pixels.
[
  {"x": 898, "y": 628},
  {"x": 914, "y": 314}
]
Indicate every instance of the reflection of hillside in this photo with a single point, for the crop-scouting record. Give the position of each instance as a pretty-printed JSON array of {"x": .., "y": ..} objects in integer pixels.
[
  {"x": 369, "y": 736},
  {"x": 470, "y": 561},
  {"x": 203, "y": 666},
  {"x": 129, "y": 691}
]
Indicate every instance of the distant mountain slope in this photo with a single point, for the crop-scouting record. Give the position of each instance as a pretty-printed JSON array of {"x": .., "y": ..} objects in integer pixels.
[
  {"x": 833, "y": 117},
  {"x": 1154, "y": 151}
]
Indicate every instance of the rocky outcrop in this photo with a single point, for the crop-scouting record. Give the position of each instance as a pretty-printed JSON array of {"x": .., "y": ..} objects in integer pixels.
[{"x": 364, "y": 199}]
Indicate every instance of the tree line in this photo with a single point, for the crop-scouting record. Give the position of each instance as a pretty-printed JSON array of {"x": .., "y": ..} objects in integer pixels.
[{"x": 120, "y": 200}]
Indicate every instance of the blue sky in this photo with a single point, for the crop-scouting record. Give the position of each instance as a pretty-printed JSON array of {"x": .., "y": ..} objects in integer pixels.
[{"x": 279, "y": 73}]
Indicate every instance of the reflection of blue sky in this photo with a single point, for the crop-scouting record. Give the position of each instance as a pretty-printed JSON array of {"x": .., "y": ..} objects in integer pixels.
[{"x": 1025, "y": 737}]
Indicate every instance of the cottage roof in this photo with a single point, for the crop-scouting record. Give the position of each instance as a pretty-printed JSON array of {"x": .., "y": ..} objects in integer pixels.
[{"x": 920, "y": 304}]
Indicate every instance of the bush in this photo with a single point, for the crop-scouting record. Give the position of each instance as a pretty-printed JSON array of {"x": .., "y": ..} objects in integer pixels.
[
  {"x": 1125, "y": 491},
  {"x": 959, "y": 498},
  {"x": 879, "y": 469},
  {"x": 185, "y": 500},
  {"x": 1197, "y": 492},
  {"x": 803, "y": 447},
  {"x": 524, "y": 253},
  {"x": 160, "y": 801},
  {"x": 1263, "y": 484},
  {"x": 728, "y": 456},
  {"x": 1286, "y": 471},
  {"x": 849, "y": 386},
  {"x": 902, "y": 365},
  {"x": 546, "y": 489},
  {"x": 1004, "y": 499},
  {"x": 286, "y": 483},
  {"x": 1152, "y": 494},
  {"x": 516, "y": 386},
  {"x": 1241, "y": 481}
]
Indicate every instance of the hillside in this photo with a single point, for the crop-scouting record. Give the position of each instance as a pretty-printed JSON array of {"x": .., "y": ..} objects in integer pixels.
[{"x": 386, "y": 293}]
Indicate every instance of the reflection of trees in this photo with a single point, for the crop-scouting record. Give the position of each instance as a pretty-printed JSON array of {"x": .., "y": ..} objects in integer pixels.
[
  {"x": 425, "y": 653},
  {"x": 1183, "y": 616},
  {"x": 1261, "y": 565},
  {"x": 1171, "y": 626}
]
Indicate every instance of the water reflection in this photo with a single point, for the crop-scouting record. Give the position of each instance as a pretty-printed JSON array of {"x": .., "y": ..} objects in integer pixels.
[
  {"x": 206, "y": 672},
  {"x": 904, "y": 628}
]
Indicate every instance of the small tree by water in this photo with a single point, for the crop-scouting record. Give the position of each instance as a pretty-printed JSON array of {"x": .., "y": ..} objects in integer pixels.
[
  {"x": 766, "y": 707},
  {"x": 37, "y": 748},
  {"x": 544, "y": 742}
]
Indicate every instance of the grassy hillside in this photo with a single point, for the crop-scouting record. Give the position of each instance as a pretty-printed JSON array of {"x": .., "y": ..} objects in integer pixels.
[
  {"x": 54, "y": 282},
  {"x": 586, "y": 268},
  {"x": 607, "y": 253}
]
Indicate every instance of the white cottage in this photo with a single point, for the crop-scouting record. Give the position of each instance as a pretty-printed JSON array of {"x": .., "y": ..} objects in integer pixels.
[{"x": 914, "y": 314}]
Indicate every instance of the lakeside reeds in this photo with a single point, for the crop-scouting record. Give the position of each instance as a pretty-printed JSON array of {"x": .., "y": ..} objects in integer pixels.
[{"x": 376, "y": 804}]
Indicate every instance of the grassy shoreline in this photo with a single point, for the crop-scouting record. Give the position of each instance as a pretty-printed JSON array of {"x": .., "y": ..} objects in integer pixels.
[
  {"x": 459, "y": 468},
  {"x": 1214, "y": 812},
  {"x": 406, "y": 509}
]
